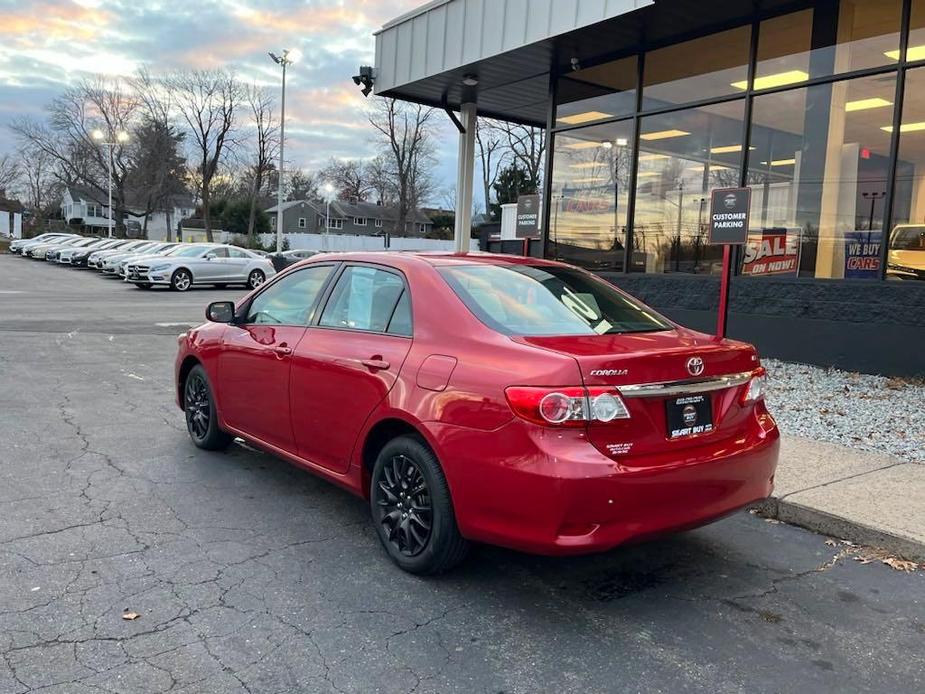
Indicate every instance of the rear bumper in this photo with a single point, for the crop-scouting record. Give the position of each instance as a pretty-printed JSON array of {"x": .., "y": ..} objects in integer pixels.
[{"x": 551, "y": 492}]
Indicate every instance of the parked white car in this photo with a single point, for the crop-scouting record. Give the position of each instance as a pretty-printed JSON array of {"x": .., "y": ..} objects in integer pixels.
[
  {"x": 198, "y": 264},
  {"x": 95, "y": 259},
  {"x": 109, "y": 262},
  {"x": 18, "y": 245}
]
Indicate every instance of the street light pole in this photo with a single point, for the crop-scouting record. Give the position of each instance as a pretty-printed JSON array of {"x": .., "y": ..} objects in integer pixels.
[
  {"x": 109, "y": 170},
  {"x": 287, "y": 58},
  {"x": 118, "y": 138}
]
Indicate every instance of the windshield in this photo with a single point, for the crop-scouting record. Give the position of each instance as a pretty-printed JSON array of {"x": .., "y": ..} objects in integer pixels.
[
  {"x": 908, "y": 239},
  {"x": 546, "y": 300}
]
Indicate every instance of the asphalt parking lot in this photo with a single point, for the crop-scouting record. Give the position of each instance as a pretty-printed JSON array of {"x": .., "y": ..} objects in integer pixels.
[{"x": 253, "y": 576}]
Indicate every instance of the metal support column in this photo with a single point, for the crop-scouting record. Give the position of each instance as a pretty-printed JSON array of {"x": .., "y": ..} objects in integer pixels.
[{"x": 464, "y": 175}]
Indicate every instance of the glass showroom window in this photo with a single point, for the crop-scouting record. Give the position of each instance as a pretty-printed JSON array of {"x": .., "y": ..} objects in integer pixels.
[
  {"x": 818, "y": 171},
  {"x": 906, "y": 256},
  {"x": 708, "y": 67},
  {"x": 597, "y": 93},
  {"x": 683, "y": 156},
  {"x": 590, "y": 188},
  {"x": 796, "y": 47}
]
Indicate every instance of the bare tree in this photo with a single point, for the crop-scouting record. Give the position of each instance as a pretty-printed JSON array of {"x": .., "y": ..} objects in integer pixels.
[
  {"x": 348, "y": 178},
  {"x": 527, "y": 146},
  {"x": 67, "y": 137},
  {"x": 490, "y": 141},
  {"x": 38, "y": 181},
  {"x": 378, "y": 176},
  {"x": 405, "y": 138},
  {"x": 208, "y": 101},
  {"x": 264, "y": 147},
  {"x": 9, "y": 174}
]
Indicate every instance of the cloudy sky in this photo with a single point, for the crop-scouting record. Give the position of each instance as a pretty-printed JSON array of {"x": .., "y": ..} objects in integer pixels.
[{"x": 47, "y": 44}]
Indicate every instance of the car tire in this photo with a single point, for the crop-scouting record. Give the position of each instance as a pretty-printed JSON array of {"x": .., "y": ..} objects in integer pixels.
[
  {"x": 255, "y": 279},
  {"x": 143, "y": 285},
  {"x": 181, "y": 280},
  {"x": 201, "y": 412},
  {"x": 408, "y": 489}
]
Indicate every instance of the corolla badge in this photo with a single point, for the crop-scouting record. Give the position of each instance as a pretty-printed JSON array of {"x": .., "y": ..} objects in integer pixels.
[
  {"x": 610, "y": 372},
  {"x": 695, "y": 366}
]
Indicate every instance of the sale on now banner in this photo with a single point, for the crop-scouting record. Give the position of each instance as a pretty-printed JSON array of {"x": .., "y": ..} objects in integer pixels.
[
  {"x": 862, "y": 254},
  {"x": 773, "y": 252}
]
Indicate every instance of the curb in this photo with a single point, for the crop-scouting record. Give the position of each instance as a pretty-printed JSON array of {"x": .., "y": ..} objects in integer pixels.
[{"x": 841, "y": 528}]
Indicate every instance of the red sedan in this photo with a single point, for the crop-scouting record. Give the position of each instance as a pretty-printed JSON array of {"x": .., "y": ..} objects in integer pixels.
[{"x": 498, "y": 399}]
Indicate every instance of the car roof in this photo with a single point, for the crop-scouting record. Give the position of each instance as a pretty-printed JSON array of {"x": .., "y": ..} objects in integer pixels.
[{"x": 432, "y": 258}]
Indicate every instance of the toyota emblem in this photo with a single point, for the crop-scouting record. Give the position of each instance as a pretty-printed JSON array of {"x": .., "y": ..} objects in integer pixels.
[{"x": 695, "y": 366}]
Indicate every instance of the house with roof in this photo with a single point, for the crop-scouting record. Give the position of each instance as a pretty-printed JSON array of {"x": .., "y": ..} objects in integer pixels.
[
  {"x": 80, "y": 206},
  {"x": 349, "y": 217}
]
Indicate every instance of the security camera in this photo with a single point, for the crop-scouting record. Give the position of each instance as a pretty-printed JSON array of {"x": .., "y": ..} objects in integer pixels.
[{"x": 366, "y": 78}]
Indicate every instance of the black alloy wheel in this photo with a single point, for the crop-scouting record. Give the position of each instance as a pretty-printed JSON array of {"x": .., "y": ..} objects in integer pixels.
[
  {"x": 406, "y": 512},
  {"x": 412, "y": 509},
  {"x": 255, "y": 279},
  {"x": 201, "y": 417}
]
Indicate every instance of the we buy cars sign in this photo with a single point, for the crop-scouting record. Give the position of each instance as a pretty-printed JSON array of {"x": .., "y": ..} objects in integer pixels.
[{"x": 773, "y": 252}]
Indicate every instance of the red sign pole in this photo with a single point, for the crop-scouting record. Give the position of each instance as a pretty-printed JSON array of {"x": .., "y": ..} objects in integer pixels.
[{"x": 724, "y": 291}]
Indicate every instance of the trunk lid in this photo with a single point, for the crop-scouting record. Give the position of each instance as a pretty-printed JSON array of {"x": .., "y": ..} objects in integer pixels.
[{"x": 633, "y": 359}]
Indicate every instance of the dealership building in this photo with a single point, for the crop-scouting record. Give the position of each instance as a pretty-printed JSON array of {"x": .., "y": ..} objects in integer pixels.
[{"x": 650, "y": 105}]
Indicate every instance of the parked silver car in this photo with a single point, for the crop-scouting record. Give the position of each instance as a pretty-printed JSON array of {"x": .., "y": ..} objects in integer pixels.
[{"x": 197, "y": 264}]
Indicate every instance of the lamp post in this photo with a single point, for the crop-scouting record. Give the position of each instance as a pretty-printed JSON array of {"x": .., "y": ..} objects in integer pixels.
[
  {"x": 118, "y": 138},
  {"x": 287, "y": 58}
]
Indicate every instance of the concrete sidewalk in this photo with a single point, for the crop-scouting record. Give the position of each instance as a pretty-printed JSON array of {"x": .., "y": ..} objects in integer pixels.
[{"x": 868, "y": 498}]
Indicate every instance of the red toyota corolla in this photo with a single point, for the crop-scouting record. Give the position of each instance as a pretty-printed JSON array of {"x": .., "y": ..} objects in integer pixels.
[{"x": 498, "y": 399}]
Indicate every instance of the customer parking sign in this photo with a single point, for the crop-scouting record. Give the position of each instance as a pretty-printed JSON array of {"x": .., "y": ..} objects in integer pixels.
[{"x": 729, "y": 208}]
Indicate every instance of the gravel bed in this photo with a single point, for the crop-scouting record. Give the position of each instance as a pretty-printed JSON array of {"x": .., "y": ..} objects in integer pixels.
[{"x": 857, "y": 410}]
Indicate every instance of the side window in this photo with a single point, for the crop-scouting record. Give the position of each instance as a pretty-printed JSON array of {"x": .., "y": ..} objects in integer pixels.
[
  {"x": 219, "y": 252},
  {"x": 235, "y": 253},
  {"x": 401, "y": 316},
  {"x": 289, "y": 301},
  {"x": 363, "y": 299}
]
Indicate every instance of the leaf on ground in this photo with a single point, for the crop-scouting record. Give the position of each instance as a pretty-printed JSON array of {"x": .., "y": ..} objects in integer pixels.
[
  {"x": 831, "y": 543},
  {"x": 130, "y": 616},
  {"x": 901, "y": 564}
]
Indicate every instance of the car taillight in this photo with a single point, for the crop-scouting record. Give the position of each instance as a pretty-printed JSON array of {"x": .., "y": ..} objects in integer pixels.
[
  {"x": 569, "y": 407},
  {"x": 754, "y": 391}
]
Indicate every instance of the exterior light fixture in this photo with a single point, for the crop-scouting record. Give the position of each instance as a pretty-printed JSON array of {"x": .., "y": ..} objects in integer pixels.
[{"x": 471, "y": 80}]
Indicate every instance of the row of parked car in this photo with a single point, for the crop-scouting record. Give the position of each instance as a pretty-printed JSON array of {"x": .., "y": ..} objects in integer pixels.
[{"x": 147, "y": 264}]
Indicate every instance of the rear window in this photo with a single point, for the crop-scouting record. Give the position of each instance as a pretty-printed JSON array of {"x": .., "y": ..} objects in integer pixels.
[{"x": 532, "y": 300}]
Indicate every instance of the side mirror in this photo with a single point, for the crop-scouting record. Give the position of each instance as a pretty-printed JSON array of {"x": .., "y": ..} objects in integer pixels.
[
  {"x": 209, "y": 256},
  {"x": 220, "y": 312}
]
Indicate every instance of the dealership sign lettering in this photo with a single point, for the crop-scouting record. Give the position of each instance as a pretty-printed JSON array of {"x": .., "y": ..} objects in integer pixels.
[
  {"x": 773, "y": 252},
  {"x": 862, "y": 254}
]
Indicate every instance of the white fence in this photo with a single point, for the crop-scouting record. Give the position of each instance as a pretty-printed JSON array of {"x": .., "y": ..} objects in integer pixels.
[{"x": 342, "y": 242}]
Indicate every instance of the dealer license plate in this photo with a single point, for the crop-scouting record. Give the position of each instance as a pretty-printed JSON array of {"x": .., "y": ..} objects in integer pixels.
[{"x": 689, "y": 415}]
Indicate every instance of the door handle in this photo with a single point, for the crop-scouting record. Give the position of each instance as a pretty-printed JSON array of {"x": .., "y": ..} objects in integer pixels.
[
  {"x": 377, "y": 364},
  {"x": 282, "y": 351}
]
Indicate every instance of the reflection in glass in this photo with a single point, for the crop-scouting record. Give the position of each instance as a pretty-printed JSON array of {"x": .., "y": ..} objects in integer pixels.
[
  {"x": 696, "y": 70},
  {"x": 797, "y": 46},
  {"x": 682, "y": 157},
  {"x": 597, "y": 93},
  {"x": 906, "y": 258},
  {"x": 591, "y": 175},
  {"x": 818, "y": 172}
]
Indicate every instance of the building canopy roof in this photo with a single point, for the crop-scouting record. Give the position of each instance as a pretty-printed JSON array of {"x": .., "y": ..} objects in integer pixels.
[{"x": 512, "y": 46}]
